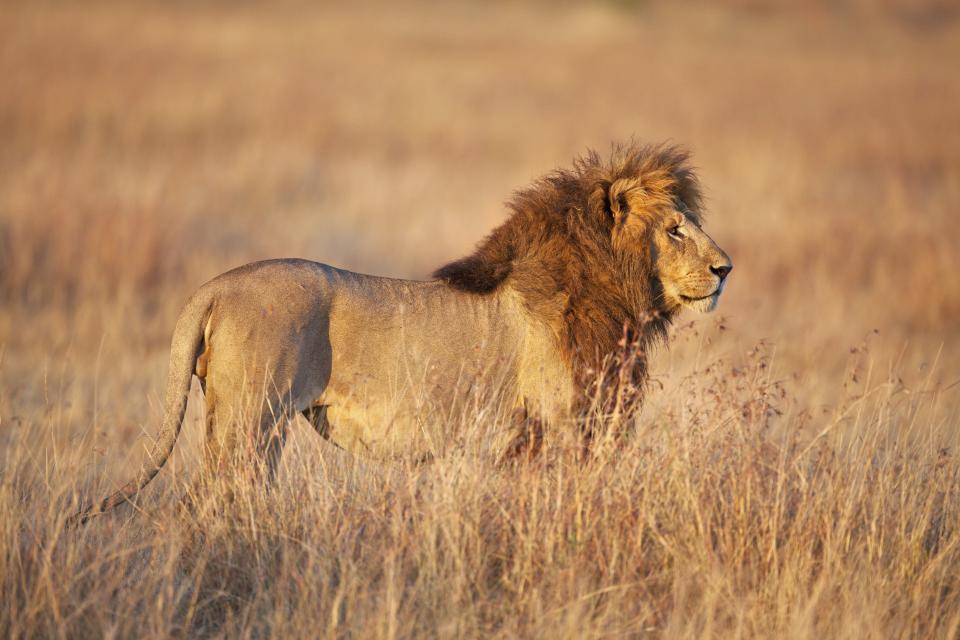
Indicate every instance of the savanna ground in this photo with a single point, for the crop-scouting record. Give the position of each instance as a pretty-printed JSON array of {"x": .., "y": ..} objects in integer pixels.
[{"x": 794, "y": 472}]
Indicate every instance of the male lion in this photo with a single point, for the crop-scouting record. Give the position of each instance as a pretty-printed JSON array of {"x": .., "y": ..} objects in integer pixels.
[{"x": 587, "y": 253}]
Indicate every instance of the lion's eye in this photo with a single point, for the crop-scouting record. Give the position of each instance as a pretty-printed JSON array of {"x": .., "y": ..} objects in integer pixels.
[{"x": 675, "y": 232}]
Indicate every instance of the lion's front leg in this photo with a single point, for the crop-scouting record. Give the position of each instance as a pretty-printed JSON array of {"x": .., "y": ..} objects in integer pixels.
[{"x": 527, "y": 431}]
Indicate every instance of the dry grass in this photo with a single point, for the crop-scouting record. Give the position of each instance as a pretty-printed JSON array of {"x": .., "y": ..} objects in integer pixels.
[{"x": 787, "y": 478}]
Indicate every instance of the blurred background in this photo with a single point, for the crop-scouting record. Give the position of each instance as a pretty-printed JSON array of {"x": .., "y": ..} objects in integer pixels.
[{"x": 147, "y": 147}]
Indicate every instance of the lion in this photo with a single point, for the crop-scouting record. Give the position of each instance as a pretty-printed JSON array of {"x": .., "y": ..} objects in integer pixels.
[{"x": 610, "y": 245}]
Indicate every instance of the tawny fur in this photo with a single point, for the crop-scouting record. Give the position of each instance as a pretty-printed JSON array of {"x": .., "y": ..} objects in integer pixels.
[{"x": 592, "y": 260}]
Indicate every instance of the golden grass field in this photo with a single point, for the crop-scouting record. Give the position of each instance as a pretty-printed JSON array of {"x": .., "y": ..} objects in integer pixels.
[{"x": 795, "y": 471}]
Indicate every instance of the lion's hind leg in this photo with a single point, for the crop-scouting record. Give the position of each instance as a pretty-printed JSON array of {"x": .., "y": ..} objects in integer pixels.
[
  {"x": 243, "y": 444},
  {"x": 272, "y": 436}
]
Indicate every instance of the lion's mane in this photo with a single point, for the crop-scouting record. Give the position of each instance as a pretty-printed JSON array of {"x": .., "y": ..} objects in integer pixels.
[{"x": 556, "y": 251}]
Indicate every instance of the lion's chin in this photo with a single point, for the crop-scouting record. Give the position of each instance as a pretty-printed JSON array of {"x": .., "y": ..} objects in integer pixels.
[{"x": 702, "y": 305}]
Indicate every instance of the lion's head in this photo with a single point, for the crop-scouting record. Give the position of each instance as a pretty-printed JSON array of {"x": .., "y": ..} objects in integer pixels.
[
  {"x": 608, "y": 244},
  {"x": 651, "y": 220}
]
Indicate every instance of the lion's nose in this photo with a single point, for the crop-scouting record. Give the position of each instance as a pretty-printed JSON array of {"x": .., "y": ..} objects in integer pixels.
[{"x": 722, "y": 270}]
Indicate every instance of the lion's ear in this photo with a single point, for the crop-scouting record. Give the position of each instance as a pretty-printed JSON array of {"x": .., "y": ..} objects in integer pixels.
[{"x": 620, "y": 196}]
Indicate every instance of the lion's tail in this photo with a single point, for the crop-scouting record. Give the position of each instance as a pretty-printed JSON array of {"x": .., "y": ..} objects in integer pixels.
[{"x": 188, "y": 338}]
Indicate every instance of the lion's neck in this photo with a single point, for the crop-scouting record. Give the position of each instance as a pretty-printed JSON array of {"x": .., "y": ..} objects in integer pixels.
[{"x": 596, "y": 316}]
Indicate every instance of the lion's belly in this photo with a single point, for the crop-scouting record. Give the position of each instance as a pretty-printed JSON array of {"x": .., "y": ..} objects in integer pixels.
[
  {"x": 385, "y": 431},
  {"x": 407, "y": 407}
]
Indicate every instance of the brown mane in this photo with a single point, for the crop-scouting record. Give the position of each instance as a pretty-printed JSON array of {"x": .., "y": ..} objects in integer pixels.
[{"x": 556, "y": 250}]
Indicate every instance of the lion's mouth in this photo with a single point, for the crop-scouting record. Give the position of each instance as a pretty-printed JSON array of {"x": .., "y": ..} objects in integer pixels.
[
  {"x": 701, "y": 298},
  {"x": 713, "y": 295},
  {"x": 703, "y": 304}
]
